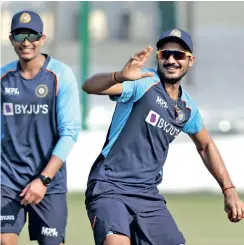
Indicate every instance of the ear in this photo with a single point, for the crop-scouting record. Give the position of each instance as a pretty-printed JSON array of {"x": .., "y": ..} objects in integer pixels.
[
  {"x": 11, "y": 40},
  {"x": 157, "y": 55},
  {"x": 42, "y": 39},
  {"x": 191, "y": 61}
]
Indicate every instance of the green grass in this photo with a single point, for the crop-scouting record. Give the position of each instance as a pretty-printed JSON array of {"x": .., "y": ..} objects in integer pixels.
[{"x": 200, "y": 217}]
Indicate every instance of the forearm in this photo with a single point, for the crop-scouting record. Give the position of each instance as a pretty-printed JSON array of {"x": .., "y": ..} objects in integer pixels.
[
  {"x": 214, "y": 163},
  {"x": 99, "y": 83},
  {"x": 52, "y": 167},
  {"x": 59, "y": 155}
]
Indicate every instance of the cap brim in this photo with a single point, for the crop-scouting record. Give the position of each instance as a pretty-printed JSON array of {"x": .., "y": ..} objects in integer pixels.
[
  {"x": 24, "y": 27},
  {"x": 172, "y": 38}
]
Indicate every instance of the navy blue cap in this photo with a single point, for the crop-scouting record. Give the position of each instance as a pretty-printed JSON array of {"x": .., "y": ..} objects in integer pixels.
[
  {"x": 27, "y": 19},
  {"x": 183, "y": 37}
]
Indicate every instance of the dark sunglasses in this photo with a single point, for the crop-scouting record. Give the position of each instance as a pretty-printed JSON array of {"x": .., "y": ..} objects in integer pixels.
[
  {"x": 31, "y": 37},
  {"x": 177, "y": 54}
]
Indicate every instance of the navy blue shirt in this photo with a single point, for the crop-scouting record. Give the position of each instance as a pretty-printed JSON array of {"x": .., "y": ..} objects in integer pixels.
[
  {"x": 40, "y": 117},
  {"x": 143, "y": 125}
]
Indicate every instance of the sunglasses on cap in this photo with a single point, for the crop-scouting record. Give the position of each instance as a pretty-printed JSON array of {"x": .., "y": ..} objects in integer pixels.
[
  {"x": 31, "y": 37},
  {"x": 177, "y": 54}
]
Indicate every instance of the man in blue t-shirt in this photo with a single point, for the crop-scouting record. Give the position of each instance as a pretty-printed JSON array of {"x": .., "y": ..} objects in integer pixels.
[
  {"x": 123, "y": 203},
  {"x": 40, "y": 122}
]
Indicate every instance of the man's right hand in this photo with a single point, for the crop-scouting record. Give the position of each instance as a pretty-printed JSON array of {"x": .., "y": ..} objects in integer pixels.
[
  {"x": 132, "y": 69},
  {"x": 106, "y": 84}
]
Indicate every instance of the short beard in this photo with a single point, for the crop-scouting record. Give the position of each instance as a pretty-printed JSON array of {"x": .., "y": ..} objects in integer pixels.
[
  {"x": 27, "y": 60},
  {"x": 163, "y": 78}
]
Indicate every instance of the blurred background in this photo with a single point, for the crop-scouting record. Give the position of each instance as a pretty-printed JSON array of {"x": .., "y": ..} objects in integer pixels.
[{"x": 94, "y": 37}]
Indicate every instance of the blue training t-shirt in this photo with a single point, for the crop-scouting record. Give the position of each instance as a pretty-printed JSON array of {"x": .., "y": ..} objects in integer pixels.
[
  {"x": 143, "y": 125},
  {"x": 40, "y": 117}
]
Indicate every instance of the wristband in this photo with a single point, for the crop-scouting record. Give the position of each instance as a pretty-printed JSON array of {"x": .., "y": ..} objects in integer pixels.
[
  {"x": 231, "y": 187},
  {"x": 114, "y": 78}
]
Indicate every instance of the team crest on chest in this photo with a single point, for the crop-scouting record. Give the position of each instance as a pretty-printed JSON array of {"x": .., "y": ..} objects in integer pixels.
[
  {"x": 180, "y": 116},
  {"x": 41, "y": 90}
]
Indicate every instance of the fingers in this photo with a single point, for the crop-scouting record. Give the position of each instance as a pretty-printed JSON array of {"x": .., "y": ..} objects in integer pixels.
[
  {"x": 148, "y": 52},
  {"x": 233, "y": 213},
  {"x": 134, "y": 60},
  {"x": 147, "y": 74},
  {"x": 31, "y": 198},
  {"x": 26, "y": 198},
  {"x": 132, "y": 69},
  {"x": 139, "y": 58},
  {"x": 34, "y": 200},
  {"x": 234, "y": 206},
  {"x": 239, "y": 212},
  {"x": 37, "y": 201},
  {"x": 143, "y": 54},
  {"x": 236, "y": 213},
  {"x": 24, "y": 191}
]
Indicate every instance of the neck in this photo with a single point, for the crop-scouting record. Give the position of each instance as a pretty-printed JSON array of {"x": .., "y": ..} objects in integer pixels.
[
  {"x": 32, "y": 65},
  {"x": 172, "y": 90}
]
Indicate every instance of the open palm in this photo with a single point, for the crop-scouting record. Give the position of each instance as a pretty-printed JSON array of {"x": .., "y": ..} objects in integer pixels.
[{"x": 132, "y": 69}]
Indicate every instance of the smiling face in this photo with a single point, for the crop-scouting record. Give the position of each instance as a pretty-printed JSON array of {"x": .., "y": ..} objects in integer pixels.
[
  {"x": 27, "y": 43},
  {"x": 173, "y": 65}
]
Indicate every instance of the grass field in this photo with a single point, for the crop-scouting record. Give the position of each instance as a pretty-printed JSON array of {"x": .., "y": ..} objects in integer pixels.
[{"x": 199, "y": 216}]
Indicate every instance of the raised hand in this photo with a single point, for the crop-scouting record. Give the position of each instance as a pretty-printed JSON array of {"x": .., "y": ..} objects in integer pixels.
[{"x": 132, "y": 70}]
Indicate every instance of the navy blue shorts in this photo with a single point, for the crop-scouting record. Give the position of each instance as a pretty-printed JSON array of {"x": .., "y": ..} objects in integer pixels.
[
  {"x": 145, "y": 222},
  {"x": 47, "y": 220}
]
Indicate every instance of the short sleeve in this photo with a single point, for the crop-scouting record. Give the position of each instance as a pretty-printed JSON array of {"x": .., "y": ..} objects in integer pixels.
[
  {"x": 128, "y": 90},
  {"x": 134, "y": 90},
  {"x": 195, "y": 123}
]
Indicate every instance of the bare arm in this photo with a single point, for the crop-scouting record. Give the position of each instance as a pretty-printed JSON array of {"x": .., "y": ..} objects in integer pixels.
[
  {"x": 109, "y": 84},
  {"x": 212, "y": 158},
  {"x": 102, "y": 83},
  {"x": 214, "y": 163},
  {"x": 52, "y": 167}
]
